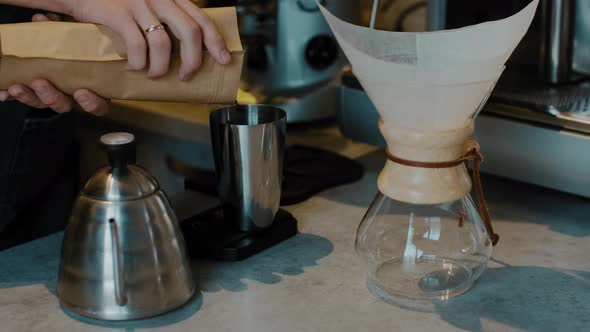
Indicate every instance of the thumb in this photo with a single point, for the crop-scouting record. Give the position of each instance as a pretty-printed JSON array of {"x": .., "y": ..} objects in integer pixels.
[{"x": 46, "y": 17}]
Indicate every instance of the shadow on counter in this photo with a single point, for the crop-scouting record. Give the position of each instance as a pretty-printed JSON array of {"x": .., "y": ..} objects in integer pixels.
[
  {"x": 32, "y": 263},
  {"x": 561, "y": 212},
  {"x": 176, "y": 316},
  {"x": 287, "y": 258},
  {"x": 37, "y": 262},
  {"x": 530, "y": 298}
]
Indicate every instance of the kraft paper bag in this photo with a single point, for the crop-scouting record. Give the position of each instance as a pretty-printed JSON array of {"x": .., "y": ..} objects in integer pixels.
[{"x": 78, "y": 55}]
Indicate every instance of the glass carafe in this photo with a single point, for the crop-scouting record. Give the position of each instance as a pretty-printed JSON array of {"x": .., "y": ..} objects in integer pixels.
[
  {"x": 422, "y": 251},
  {"x": 423, "y": 237}
]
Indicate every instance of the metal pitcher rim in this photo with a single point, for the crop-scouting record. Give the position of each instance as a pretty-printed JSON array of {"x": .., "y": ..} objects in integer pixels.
[{"x": 271, "y": 114}]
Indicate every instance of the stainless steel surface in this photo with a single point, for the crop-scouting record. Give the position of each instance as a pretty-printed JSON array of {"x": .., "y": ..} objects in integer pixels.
[
  {"x": 291, "y": 53},
  {"x": 520, "y": 96},
  {"x": 582, "y": 37},
  {"x": 120, "y": 289},
  {"x": 248, "y": 147},
  {"x": 117, "y": 138},
  {"x": 557, "y": 43},
  {"x": 531, "y": 153},
  {"x": 436, "y": 15},
  {"x": 136, "y": 183},
  {"x": 281, "y": 34},
  {"x": 575, "y": 122},
  {"x": 558, "y": 22},
  {"x": 123, "y": 180},
  {"x": 560, "y": 97},
  {"x": 564, "y": 107},
  {"x": 123, "y": 255}
]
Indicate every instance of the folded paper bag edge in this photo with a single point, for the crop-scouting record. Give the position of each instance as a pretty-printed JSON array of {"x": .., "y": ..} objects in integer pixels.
[
  {"x": 91, "y": 42},
  {"x": 61, "y": 41}
]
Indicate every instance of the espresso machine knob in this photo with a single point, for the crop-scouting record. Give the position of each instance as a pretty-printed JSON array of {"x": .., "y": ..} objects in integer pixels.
[{"x": 321, "y": 52}]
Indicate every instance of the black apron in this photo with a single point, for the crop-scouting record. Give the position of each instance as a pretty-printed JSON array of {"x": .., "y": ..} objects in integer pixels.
[{"x": 38, "y": 164}]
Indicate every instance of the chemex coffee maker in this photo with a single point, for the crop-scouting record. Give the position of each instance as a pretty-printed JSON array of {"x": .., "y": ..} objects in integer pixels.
[{"x": 423, "y": 238}]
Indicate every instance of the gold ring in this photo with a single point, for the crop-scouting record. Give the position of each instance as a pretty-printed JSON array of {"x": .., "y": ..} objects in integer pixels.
[{"x": 154, "y": 28}]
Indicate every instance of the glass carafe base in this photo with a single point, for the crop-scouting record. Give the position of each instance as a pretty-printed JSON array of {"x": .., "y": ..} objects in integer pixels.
[
  {"x": 422, "y": 252},
  {"x": 427, "y": 278}
]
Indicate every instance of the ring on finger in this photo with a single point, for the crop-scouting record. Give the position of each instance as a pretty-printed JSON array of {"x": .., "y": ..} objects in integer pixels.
[{"x": 154, "y": 28}]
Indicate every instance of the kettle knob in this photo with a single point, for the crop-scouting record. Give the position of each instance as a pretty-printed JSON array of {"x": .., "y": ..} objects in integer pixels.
[{"x": 120, "y": 148}]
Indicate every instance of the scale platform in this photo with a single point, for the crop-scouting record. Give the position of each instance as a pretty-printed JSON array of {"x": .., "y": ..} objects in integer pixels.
[{"x": 209, "y": 235}]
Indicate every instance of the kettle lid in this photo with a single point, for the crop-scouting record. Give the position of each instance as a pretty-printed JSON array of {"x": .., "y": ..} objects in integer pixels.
[{"x": 121, "y": 180}]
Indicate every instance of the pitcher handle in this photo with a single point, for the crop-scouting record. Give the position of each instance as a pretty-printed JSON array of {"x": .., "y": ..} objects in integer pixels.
[{"x": 120, "y": 290}]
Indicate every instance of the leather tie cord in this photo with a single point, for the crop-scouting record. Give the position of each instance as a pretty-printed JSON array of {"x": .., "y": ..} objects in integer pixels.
[{"x": 475, "y": 155}]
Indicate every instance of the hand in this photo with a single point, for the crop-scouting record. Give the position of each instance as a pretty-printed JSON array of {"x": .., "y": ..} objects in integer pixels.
[
  {"x": 131, "y": 19},
  {"x": 42, "y": 94}
]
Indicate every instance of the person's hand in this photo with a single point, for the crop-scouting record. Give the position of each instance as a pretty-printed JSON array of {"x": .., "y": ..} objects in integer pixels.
[
  {"x": 42, "y": 94},
  {"x": 133, "y": 18}
]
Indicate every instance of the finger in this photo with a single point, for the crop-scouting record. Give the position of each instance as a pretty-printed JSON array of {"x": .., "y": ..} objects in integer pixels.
[
  {"x": 5, "y": 96},
  {"x": 189, "y": 34},
  {"x": 126, "y": 26},
  {"x": 159, "y": 44},
  {"x": 26, "y": 96},
  {"x": 54, "y": 17},
  {"x": 91, "y": 103},
  {"x": 50, "y": 96},
  {"x": 40, "y": 18},
  {"x": 211, "y": 36},
  {"x": 46, "y": 17}
]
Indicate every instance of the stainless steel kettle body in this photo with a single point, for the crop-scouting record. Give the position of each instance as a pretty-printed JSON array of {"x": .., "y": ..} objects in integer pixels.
[{"x": 123, "y": 255}]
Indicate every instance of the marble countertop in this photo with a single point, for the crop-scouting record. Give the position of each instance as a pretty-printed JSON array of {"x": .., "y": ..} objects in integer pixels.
[{"x": 539, "y": 279}]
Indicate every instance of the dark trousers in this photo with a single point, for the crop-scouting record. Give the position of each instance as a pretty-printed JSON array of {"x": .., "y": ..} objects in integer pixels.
[{"x": 38, "y": 165}]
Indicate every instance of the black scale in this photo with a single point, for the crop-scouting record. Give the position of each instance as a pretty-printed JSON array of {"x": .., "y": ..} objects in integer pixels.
[
  {"x": 306, "y": 172},
  {"x": 209, "y": 235}
]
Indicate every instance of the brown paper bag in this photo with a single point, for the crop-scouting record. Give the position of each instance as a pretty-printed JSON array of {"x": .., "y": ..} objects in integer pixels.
[{"x": 78, "y": 55}]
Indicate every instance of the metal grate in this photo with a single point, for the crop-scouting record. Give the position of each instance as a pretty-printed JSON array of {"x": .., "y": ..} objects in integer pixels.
[{"x": 566, "y": 106}]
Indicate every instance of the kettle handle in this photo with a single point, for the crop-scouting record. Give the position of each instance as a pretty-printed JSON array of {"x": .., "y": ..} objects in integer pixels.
[{"x": 120, "y": 290}]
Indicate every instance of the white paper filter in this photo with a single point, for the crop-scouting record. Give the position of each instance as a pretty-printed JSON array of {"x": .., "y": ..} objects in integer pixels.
[{"x": 430, "y": 79}]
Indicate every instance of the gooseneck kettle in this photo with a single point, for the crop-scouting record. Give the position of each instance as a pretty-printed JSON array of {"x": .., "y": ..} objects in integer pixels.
[{"x": 123, "y": 255}]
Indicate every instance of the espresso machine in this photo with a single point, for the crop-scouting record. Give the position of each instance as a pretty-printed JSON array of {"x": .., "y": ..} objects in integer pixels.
[
  {"x": 535, "y": 127},
  {"x": 292, "y": 59}
]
